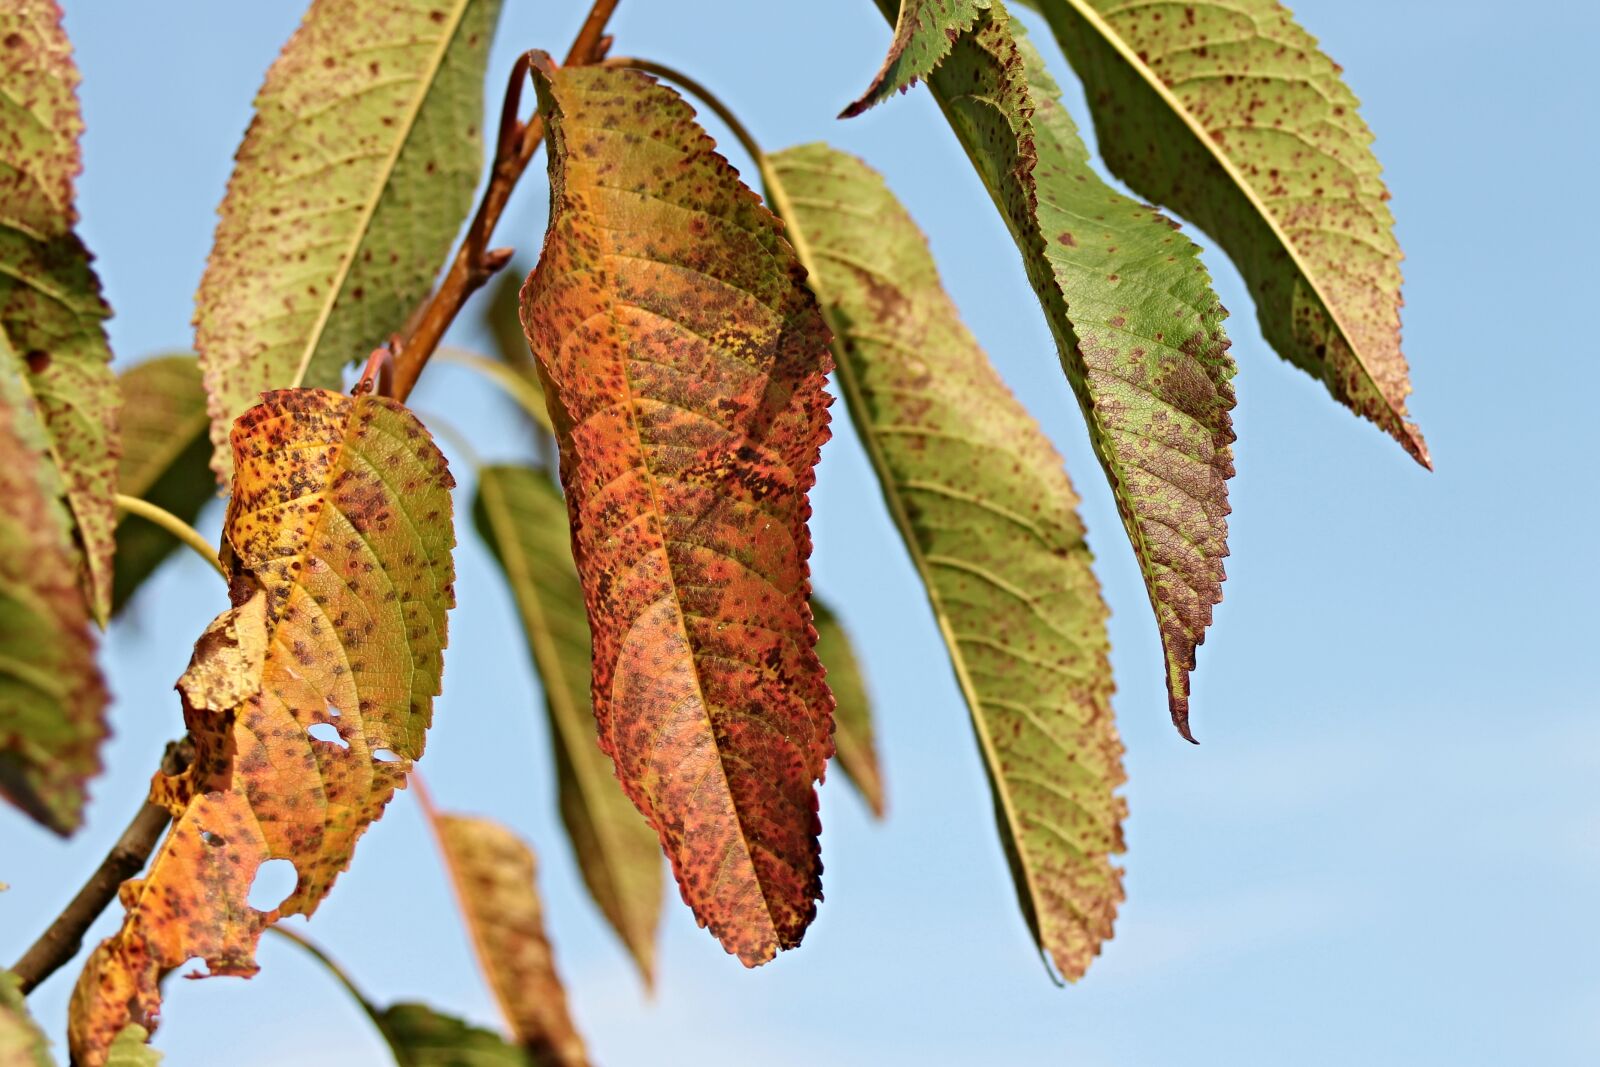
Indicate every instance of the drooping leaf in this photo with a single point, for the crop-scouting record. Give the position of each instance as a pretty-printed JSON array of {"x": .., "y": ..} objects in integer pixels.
[
  {"x": 990, "y": 519},
  {"x": 495, "y": 878},
  {"x": 521, "y": 516},
  {"x": 349, "y": 188},
  {"x": 165, "y": 454},
  {"x": 22, "y": 1043},
  {"x": 52, "y": 701},
  {"x": 338, "y": 541},
  {"x": 422, "y": 1037},
  {"x": 684, "y": 361},
  {"x": 50, "y": 305},
  {"x": 1136, "y": 324},
  {"x": 1228, "y": 113},
  {"x": 854, "y": 748}
]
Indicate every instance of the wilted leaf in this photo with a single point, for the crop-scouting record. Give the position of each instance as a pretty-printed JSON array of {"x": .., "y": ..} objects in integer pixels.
[
  {"x": 496, "y": 882},
  {"x": 338, "y": 541},
  {"x": 1229, "y": 114},
  {"x": 422, "y": 1037},
  {"x": 684, "y": 361},
  {"x": 1137, "y": 326},
  {"x": 990, "y": 519},
  {"x": 22, "y": 1043},
  {"x": 50, "y": 306},
  {"x": 350, "y": 187},
  {"x": 52, "y": 701},
  {"x": 854, "y": 748},
  {"x": 164, "y": 460},
  {"x": 521, "y": 516}
]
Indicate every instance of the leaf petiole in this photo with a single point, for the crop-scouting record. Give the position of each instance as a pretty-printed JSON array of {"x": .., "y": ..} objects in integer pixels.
[{"x": 175, "y": 526}]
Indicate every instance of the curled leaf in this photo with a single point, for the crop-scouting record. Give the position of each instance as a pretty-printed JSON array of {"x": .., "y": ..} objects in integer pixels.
[
  {"x": 523, "y": 520},
  {"x": 683, "y": 361},
  {"x": 349, "y": 188},
  {"x": 307, "y": 700}
]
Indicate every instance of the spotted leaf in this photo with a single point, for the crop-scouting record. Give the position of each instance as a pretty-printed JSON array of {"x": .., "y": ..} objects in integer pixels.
[
  {"x": 52, "y": 700},
  {"x": 1230, "y": 115},
  {"x": 1136, "y": 324},
  {"x": 990, "y": 519},
  {"x": 164, "y": 461},
  {"x": 494, "y": 876},
  {"x": 855, "y": 749},
  {"x": 307, "y": 700},
  {"x": 50, "y": 306},
  {"x": 523, "y": 519},
  {"x": 348, "y": 190},
  {"x": 683, "y": 361}
]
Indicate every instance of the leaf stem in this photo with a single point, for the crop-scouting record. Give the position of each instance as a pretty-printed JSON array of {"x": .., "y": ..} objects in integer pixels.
[
  {"x": 175, "y": 526},
  {"x": 509, "y": 381},
  {"x": 475, "y": 263},
  {"x": 339, "y": 973},
  {"x": 63, "y": 938}
]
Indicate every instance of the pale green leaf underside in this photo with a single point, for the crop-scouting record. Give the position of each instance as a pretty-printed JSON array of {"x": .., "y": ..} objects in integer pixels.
[
  {"x": 164, "y": 460},
  {"x": 1230, "y": 115},
  {"x": 351, "y": 184},
  {"x": 990, "y": 519},
  {"x": 523, "y": 519},
  {"x": 1137, "y": 326},
  {"x": 854, "y": 748}
]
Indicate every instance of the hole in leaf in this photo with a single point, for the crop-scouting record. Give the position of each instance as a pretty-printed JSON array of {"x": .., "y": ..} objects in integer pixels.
[
  {"x": 383, "y": 755},
  {"x": 214, "y": 840},
  {"x": 275, "y": 880},
  {"x": 333, "y": 711},
  {"x": 326, "y": 731}
]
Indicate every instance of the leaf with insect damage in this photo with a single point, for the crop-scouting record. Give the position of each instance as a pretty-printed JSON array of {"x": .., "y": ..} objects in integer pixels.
[
  {"x": 50, "y": 306},
  {"x": 307, "y": 700},
  {"x": 855, "y": 749},
  {"x": 495, "y": 880},
  {"x": 683, "y": 361},
  {"x": 521, "y": 516},
  {"x": 990, "y": 519},
  {"x": 1136, "y": 324},
  {"x": 349, "y": 188},
  {"x": 1230, "y": 115},
  {"x": 164, "y": 461},
  {"x": 421, "y": 1037},
  {"x": 52, "y": 700}
]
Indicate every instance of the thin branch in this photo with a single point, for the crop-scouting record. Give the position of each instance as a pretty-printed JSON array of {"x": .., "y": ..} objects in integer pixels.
[
  {"x": 174, "y": 526},
  {"x": 64, "y": 937},
  {"x": 475, "y": 263}
]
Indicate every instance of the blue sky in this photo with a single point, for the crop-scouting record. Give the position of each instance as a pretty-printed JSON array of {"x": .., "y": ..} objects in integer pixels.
[{"x": 1387, "y": 848}]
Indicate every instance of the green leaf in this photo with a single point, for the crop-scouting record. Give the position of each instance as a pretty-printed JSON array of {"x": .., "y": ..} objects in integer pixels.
[
  {"x": 1228, "y": 113},
  {"x": 50, "y": 305},
  {"x": 350, "y": 186},
  {"x": 131, "y": 1049},
  {"x": 422, "y": 1037},
  {"x": 521, "y": 516},
  {"x": 990, "y": 519},
  {"x": 52, "y": 700},
  {"x": 22, "y": 1043},
  {"x": 1137, "y": 326},
  {"x": 853, "y": 746},
  {"x": 164, "y": 460}
]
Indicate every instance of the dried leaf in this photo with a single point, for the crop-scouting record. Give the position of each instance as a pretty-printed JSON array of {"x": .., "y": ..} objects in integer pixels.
[
  {"x": 990, "y": 519},
  {"x": 683, "y": 363},
  {"x": 22, "y": 1043},
  {"x": 496, "y": 883},
  {"x": 854, "y": 748},
  {"x": 522, "y": 518},
  {"x": 50, "y": 305},
  {"x": 52, "y": 701},
  {"x": 164, "y": 460},
  {"x": 422, "y": 1037},
  {"x": 338, "y": 540},
  {"x": 1230, "y": 115},
  {"x": 350, "y": 186},
  {"x": 1136, "y": 324}
]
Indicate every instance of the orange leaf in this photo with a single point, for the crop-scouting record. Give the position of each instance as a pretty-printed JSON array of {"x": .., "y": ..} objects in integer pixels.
[
  {"x": 338, "y": 543},
  {"x": 684, "y": 362}
]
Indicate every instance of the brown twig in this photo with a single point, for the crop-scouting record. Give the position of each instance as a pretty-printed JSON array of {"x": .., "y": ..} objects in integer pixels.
[
  {"x": 475, "y": 263},
  {"x": 64, "y": 937}
]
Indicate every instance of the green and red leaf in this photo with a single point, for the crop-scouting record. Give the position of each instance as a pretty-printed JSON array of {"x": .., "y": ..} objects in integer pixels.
[{"x": 684, "y": 363}]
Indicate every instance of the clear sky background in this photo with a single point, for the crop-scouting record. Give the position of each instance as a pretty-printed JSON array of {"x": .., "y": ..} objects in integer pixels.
[{"x": 1387, "y": 848}]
